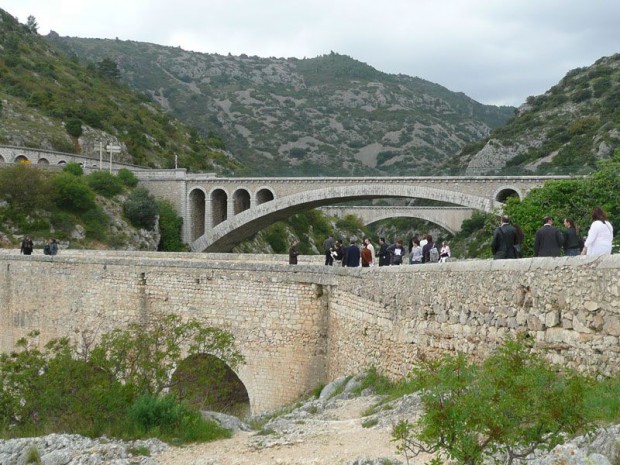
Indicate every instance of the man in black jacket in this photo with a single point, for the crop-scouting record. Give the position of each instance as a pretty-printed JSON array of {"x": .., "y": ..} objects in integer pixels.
[
  {"x": 351, "y": 255},
  {"x": 504, "y": 240},
  {"x": 549, "y": 240}
]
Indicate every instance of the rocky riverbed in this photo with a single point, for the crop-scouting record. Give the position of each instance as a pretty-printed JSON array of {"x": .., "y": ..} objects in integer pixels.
[{"x": 334, "y": 429}]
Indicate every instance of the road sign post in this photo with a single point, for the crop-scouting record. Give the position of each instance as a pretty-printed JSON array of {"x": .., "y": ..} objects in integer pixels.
[{"x": 112, "y": 149}]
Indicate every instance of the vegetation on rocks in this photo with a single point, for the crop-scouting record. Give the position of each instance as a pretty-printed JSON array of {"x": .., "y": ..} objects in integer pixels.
[
  {"x": 566, "y": 130},
  {"x": 325, "y": 116},
  {"x": 81, "y": 211}
]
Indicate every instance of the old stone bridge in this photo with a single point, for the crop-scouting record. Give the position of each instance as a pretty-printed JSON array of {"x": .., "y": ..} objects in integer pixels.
[
  {"x": 220, "y": 212},
  {"x": 301, "y": 326}
]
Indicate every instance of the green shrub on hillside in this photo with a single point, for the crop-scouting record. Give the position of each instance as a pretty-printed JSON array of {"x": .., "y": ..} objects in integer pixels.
[
  {"x": 141, "y": 209},
  {"x": 277, "y": 237},
  {"x": 127, "y": 177},
  {"x": 170, "y": 225},
  {"x": 74, "y": 127},
  {"x": 73, "y": 168},
  {"x": 105, "y": 183},
  {"x": 96, "y": 223},
  {"x": 73, "y": 193},
  {"x": 506, "y": 407},
  {"x": 25, "y": 188}
]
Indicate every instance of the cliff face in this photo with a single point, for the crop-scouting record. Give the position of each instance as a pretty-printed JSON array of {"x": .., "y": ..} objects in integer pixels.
[{"x": 564, "y": 131}]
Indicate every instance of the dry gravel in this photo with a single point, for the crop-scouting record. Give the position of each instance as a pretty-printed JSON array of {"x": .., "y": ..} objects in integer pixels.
[{"x": 332, "y": 436}]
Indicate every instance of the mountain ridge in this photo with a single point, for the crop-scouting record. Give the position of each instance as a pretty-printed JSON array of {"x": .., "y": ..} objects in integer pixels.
[{"x": 291, "y": 116}]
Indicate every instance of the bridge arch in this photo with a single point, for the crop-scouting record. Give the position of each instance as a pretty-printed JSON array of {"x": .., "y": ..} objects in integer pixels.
[
  {"x": 208, "y": 383},
  {"x": 223, "y": 237},
  {"x": 507, "y": 191},
  {"x": 263, "y": 195},
  {"x": 21, "y": 159},
  {"x": 2, "y": 160},
  {"x": 43, "y": 161},
  {"x": 448, "y": 218},
  {"x": 241, "y": 200},
  {"x": 219, "y": 206},
  {"x": 197, "y": 207}
]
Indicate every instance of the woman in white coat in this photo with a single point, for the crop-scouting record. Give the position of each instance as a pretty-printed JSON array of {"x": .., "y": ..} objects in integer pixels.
[{"x": 600, "y": 234}]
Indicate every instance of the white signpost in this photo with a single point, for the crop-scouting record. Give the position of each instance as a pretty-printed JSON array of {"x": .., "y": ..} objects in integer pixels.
[{"x": 112, "y": 149}]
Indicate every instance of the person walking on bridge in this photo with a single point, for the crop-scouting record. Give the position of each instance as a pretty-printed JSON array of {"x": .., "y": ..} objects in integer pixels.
[{"x": 293, "y": 253}]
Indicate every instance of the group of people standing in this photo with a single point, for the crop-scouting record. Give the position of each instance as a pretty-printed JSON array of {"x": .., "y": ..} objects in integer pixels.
[
  {"x": 420, "y": 251},
  {"x": 27, "y": 246},
  {"x": 550, "y": 241}
]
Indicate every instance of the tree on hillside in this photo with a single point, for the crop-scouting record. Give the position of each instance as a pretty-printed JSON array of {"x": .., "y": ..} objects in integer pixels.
[
  {"x": 32, "y": 25},
  {"x": 25, "y": 188},
  {"x": 108, "y": 68}
]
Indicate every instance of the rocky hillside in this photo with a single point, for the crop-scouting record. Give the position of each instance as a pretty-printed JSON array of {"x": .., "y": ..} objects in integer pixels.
[
  {"x": 323, "y": 116},
  {"x": 50, "y": 101},
  {"x": 564, "y": 131}
]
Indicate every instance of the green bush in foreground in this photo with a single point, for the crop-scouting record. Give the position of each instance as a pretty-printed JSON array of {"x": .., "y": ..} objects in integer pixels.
[
  {"x": 112, "y": 389},
  {"x": 503, "y": 409}
]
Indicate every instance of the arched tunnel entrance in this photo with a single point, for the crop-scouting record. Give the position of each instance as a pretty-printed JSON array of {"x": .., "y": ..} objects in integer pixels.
[{"x": 208, "y": 383}]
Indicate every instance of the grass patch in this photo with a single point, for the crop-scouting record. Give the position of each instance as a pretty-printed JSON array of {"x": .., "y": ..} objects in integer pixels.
[
  {"x": 140, "y": 450},
  {"x": 369, "y": 422},
  {"x": 33, "y": 456}
]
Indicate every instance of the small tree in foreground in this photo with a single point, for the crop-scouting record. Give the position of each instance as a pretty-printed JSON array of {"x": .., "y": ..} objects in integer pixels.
[
  {"x": 114, "y": 388},
  {"x": 503, "y": 409},
  {"x": 146, "y": 354}
]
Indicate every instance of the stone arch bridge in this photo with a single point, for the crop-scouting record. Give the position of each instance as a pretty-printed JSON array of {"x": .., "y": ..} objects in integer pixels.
[
  {"x": 220, "y": 212},
  {"x": 299, "y": 326}
]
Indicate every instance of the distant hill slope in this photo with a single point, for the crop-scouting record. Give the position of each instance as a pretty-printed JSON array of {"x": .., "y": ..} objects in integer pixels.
[
  {"x": 330, "y": 115},
  {"x": 49, "y": 101},
  {"x": 564, "y": 131}
]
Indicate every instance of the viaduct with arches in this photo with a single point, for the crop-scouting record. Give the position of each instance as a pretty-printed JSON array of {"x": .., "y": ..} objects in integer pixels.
[{"x": 220, "y": 212}]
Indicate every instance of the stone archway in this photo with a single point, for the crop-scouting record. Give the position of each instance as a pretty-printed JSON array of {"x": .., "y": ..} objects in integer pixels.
[
  {"x": 503, "y": 194},
  {"x": 241, "y": 201},
  {"x": 263, "y": 196},
  {"x": 219, "y": 207},
  {"x": 197, "y": 213},
  {"x": 208, "y": 383}
]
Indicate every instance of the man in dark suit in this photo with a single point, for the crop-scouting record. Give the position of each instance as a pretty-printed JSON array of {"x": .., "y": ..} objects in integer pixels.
[
  {"x": 504, "y": 240},
  {"x": 549, "y": 240},
  {"x": 351, "y": 255}
]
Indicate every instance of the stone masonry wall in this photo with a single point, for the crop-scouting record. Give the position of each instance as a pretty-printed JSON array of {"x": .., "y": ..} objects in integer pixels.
[
  {"x": 569, "y": 306},
  {"x": 279, "y": 325},
  {"x": 300, "y": 326}
]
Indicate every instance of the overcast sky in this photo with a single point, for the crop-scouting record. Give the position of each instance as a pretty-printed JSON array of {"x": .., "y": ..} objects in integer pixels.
[{"x": 495, "y": 51}]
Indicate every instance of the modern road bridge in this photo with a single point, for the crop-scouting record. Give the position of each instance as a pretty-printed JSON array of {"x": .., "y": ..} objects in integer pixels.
[{"x": 220, "y": 212}]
